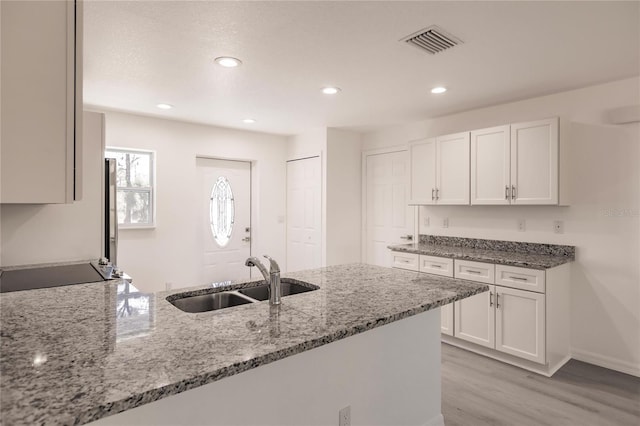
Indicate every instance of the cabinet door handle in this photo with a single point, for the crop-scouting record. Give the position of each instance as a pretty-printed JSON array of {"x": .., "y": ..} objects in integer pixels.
[
  {"x": 497, "y": 300},
  {"x": 433, "y": 191},
  {"x": 506, "y": 192},
  {"x": 519, "y": 278},
  {"x": 437, "y": 196},
  {"x": 513, "y": 192},
  {"x": 490, "y": 298}
]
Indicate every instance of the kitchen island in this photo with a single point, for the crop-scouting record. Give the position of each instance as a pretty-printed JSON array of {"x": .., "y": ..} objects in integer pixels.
[{"x": 77, "y": 354}]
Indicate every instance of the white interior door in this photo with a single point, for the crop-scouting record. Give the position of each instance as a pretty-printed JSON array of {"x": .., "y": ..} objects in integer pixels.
[
  {"x": 224, "y": 219},
  {"x": 304, "y": 214},
  {"x": 388, "y": 215}
]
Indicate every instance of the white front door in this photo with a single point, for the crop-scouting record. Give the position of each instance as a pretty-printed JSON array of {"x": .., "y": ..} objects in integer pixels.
[
  {"x": 389, "y": 218},
  {"x": 304, "y": 214},
  {"x": 224, "y": 226}
]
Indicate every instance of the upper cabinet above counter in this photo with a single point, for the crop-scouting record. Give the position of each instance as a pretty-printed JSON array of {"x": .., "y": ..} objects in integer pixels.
[
  {"x": 41, "y": 97},
  {"x": 511, "y": 164}
]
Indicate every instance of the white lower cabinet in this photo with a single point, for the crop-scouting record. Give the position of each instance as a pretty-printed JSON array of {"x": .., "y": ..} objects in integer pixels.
[
  {"x": 475, "y": 319},
  {"x": 446, "y": 319},
  {"x": 520, "y": 323},
  {"x": 505, "y": 319},
  {"x": 523, "y": 319}
]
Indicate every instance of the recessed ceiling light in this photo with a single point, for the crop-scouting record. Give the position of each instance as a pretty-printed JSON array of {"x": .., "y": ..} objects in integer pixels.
[
  {"x": 228, "y": 62},
  {"x": 330, "y": 90},
  {"x": 164, "y": 106},
  {"x": 437, "y": 90},
  {"x": 249, "y": 120}
]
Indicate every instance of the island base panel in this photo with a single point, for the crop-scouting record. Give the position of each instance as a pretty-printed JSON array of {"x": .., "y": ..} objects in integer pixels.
[{"x": 388, "y": 375}]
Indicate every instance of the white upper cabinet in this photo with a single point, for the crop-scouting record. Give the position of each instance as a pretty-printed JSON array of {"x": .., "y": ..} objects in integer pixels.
[
  {"x": 534, "y": 162},
  {"x": 423, "y": 171},
  {"x": 41, "y": 101},
  {"x": 516, "y": 164},
  {"x": 491, "y": 166},
  {"x": 452, "y": 168},
  {"x": 440, "y": 170}
]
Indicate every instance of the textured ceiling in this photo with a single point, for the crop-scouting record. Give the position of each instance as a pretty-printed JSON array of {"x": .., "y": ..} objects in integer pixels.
[{"x": 138, "y": 54}]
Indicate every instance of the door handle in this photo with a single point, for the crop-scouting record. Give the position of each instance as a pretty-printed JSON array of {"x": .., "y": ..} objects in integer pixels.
[
  {"x": 433, "y": 197},
  {"x": 506, "y": 192},
  {"x": 246, "y": 239},
  {"x": 490, "y": 298},
  {"x": 513, "y": 192},
  {"x": 407, "y": 237}
]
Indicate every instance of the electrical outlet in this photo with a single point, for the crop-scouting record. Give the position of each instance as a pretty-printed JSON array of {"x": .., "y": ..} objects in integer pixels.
[
  {"x": 445, "y": 222},
  {"x": 425, "y": 221},
  {"x": 522, "y": 225},
  {"x": 345, "y": 416},
  {"x": 558, "y": 227}
]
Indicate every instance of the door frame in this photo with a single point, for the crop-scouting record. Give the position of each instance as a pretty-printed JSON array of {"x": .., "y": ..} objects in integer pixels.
[
  {"x": 252, "y": 164},
  {"x": 323, "y": 211},
  {"x": 363, "y": 229}
]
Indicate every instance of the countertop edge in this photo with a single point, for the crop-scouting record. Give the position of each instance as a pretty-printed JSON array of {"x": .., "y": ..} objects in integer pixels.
[{"x": 552, "y": 262}]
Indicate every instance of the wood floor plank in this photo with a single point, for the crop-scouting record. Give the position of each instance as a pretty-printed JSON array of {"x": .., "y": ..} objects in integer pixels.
[{"x": 479, "y": 391}]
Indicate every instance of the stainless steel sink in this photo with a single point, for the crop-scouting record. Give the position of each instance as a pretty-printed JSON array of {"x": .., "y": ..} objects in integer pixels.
[
  {"x": 209, "y": 302},
  {"x": 287, "y": 288},
  {"x": 227, "y": 299}
]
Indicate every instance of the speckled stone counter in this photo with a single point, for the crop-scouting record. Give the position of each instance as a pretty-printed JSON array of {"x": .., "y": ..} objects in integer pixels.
[
  {"x": 526, "y": 255},
  {"x": 70, "y": 355}
]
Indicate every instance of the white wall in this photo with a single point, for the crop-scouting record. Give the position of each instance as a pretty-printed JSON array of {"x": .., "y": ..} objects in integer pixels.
[
  {"x": 46, "y": 233},
  {"x": 168, "y": 253},
  {"x": 603, "y": 220},
  {"x": 341, "y": 156},
  {"x": 343, "y": 196}
]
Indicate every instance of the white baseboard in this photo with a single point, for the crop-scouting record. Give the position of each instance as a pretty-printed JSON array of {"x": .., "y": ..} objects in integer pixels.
[
  {"x": 435, "y": 421},
  {"x": 606, "y": 362}
]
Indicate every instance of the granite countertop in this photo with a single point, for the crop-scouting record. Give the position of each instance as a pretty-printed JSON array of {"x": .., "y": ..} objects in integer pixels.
[
  {"x": 500, "y": 257},
  {"x": 71, "y": 355}
]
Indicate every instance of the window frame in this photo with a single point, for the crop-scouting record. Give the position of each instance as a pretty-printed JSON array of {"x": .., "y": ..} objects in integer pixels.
[{"x": 151, "y": 190}]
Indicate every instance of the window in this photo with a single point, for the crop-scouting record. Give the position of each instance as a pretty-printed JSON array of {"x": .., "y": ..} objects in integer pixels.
[
  {"x": 135, "y": 183},
  {"x": 221, "y": 211}
]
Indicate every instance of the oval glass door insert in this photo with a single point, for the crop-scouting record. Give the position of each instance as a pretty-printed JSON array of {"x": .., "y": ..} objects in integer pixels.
[{"x": 221, "y": 211}]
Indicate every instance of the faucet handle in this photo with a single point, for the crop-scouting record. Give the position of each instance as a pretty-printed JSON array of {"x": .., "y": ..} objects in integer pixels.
[{"x": 273, "y": 265}]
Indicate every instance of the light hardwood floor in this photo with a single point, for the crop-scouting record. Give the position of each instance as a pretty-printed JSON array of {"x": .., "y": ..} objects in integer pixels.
[{"x": 478, "y": 391}]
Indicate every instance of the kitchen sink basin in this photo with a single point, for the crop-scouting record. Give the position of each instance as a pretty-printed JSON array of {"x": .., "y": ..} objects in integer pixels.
[
  {"x": 287, "y": 288},
  {"x": 209, "y": 302},
  {"x": 227, "y": 299}
]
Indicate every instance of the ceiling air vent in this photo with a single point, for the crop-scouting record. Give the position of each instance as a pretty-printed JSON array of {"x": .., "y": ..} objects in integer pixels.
[{"x": 432, "y": 39}]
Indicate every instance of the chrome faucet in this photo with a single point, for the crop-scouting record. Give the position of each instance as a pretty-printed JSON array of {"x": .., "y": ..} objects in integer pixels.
[{"x": 272, "y": 278}]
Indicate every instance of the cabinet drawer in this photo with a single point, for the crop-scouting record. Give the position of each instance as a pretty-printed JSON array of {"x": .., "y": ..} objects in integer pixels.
[
  {"x": 404, "y": 260},
  {"x": 474, "y": 271},
  {"x": 522, "y": 278},
  {"x": 436, "y": 265}
]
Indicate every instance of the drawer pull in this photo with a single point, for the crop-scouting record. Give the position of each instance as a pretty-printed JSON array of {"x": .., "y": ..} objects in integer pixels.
[
  {"x": 471, "y": 271},
  {"x": 436, "y": 266},
  {"x": 519, "y": 278}
]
